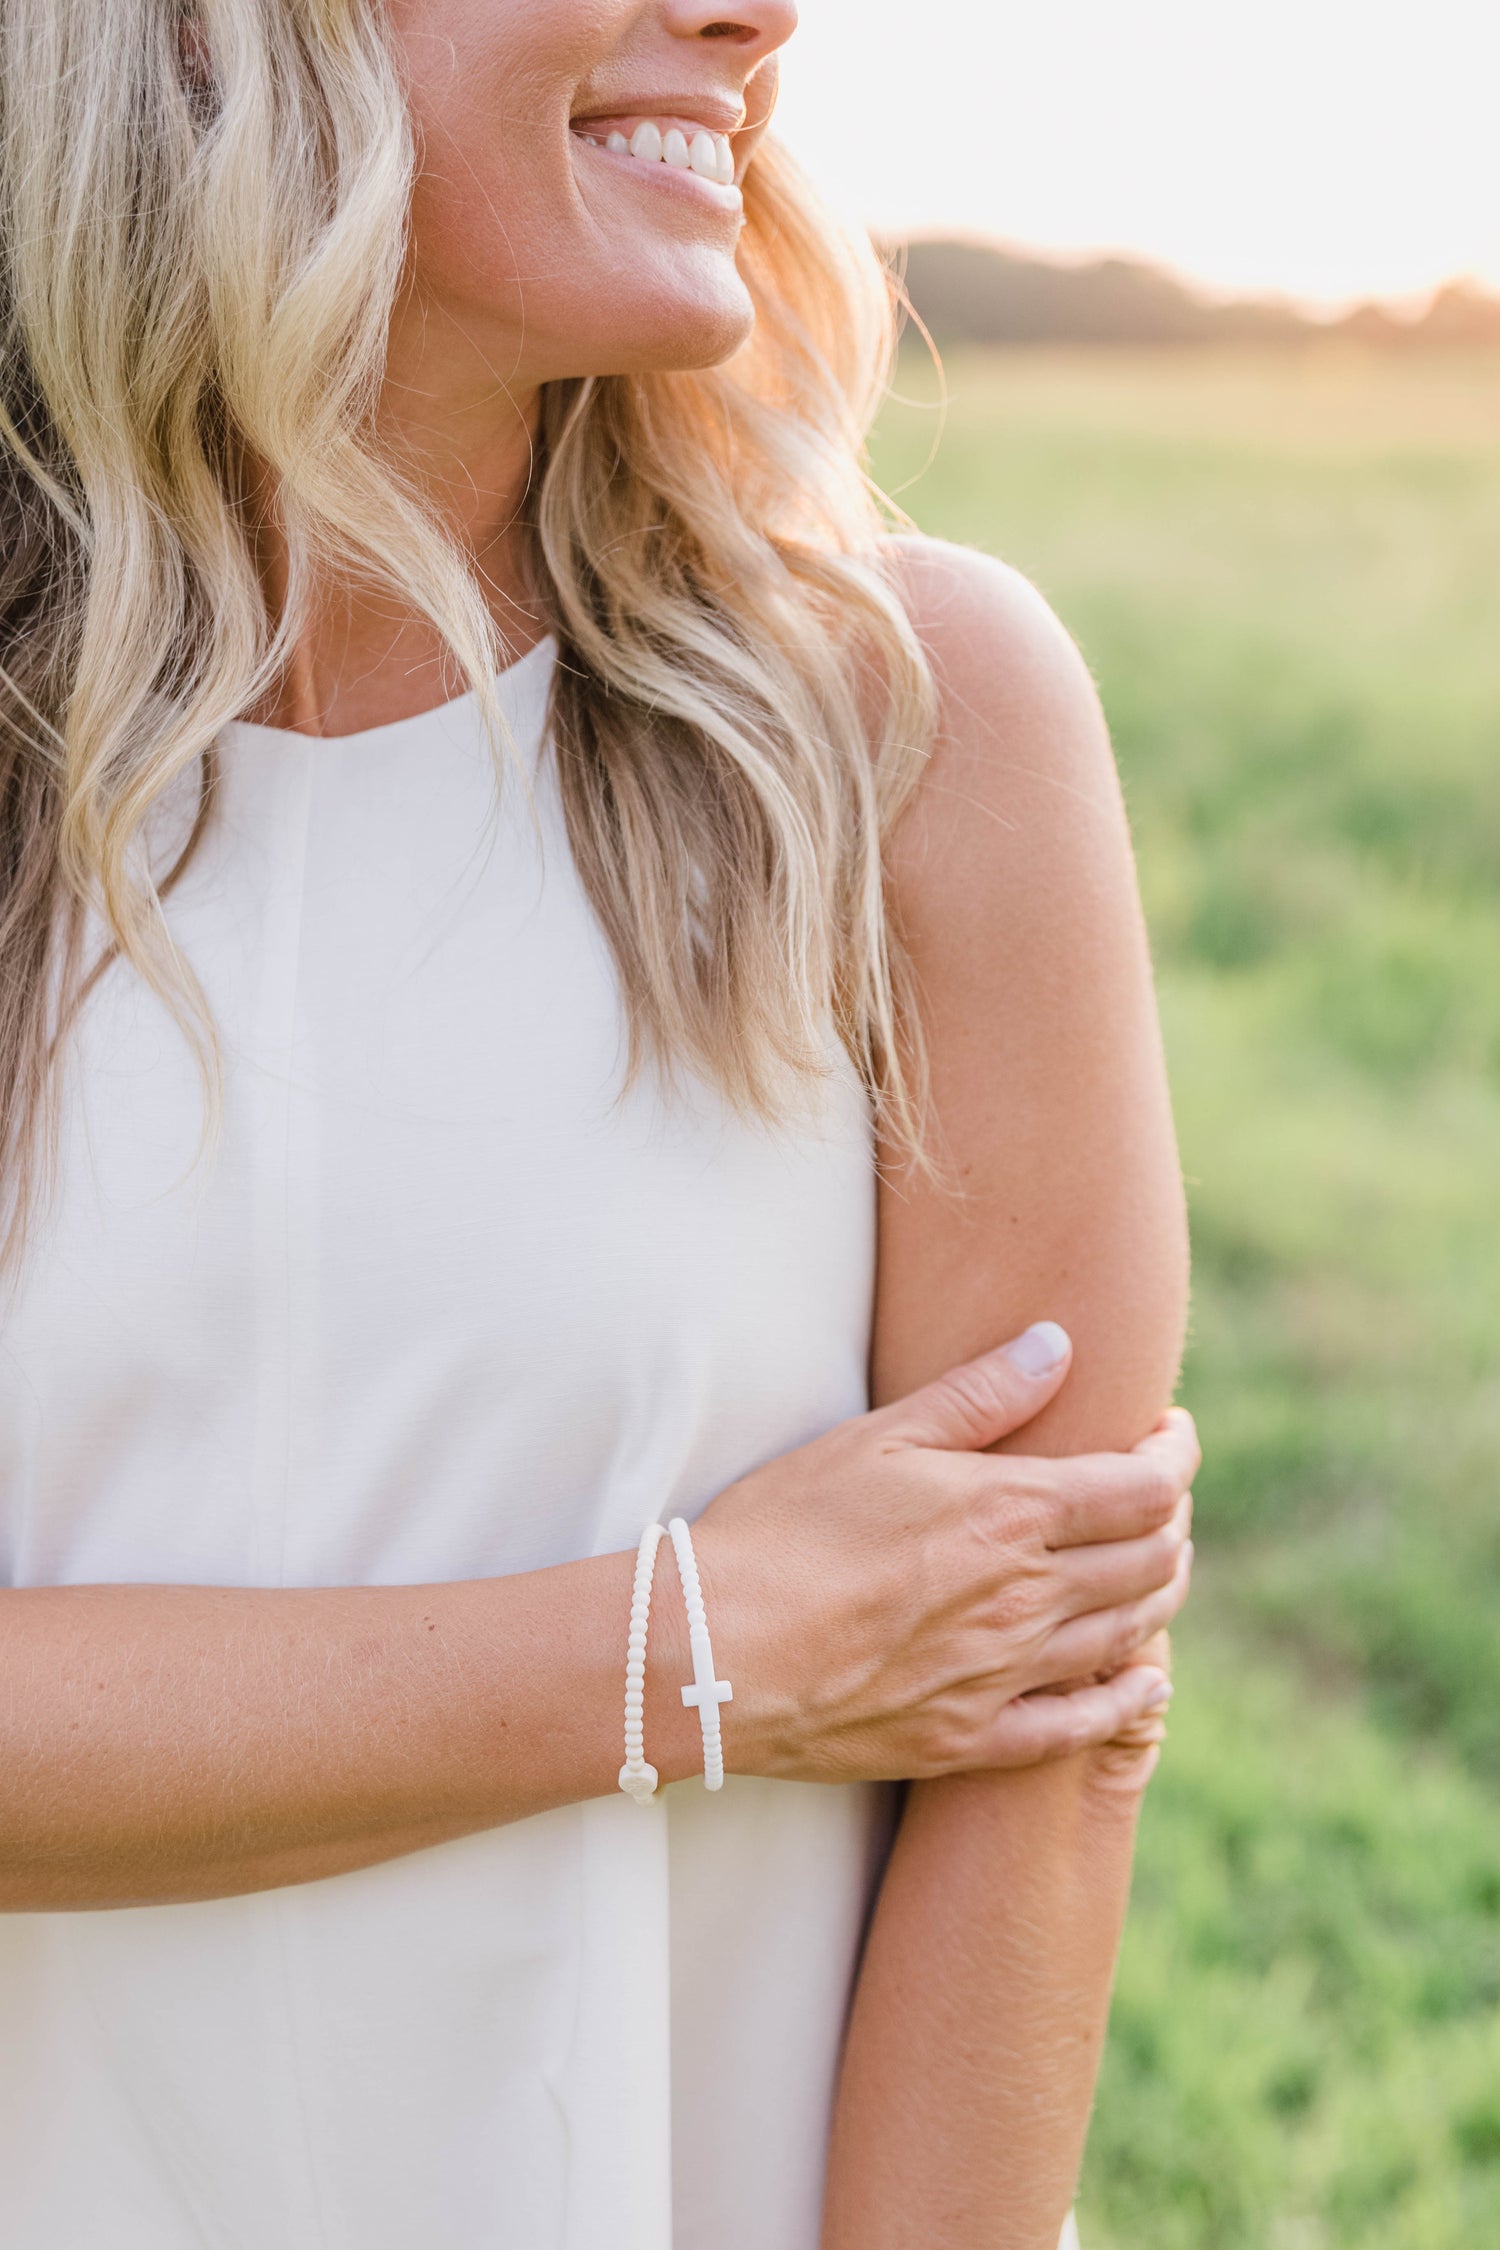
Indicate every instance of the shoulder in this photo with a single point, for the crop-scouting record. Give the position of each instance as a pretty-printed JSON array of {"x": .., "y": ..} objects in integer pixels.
[
  {"x": 994, "y": 644},
  {"x": 1019, "y": 812}
]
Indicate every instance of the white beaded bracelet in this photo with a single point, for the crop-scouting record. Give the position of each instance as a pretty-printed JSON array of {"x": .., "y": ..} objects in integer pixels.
[
  {"x": 637, "y": 1779},
  {"x": 705, "y": 1692}
]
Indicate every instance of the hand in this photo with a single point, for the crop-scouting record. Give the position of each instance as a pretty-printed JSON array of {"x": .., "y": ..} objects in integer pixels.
[
  {"x": 891, "y": 1601},
  {"x": 1121, "y": 1767}
]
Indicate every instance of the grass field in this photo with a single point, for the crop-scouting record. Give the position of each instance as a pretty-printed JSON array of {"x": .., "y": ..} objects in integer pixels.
[{"x": 1285, "y": 571}]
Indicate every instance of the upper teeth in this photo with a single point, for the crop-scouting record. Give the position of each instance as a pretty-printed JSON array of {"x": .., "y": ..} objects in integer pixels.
[{"x": 707, "y": 154}]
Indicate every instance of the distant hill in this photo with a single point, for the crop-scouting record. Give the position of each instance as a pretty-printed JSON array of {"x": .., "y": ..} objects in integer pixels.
[{"x": 981, "y": 293}]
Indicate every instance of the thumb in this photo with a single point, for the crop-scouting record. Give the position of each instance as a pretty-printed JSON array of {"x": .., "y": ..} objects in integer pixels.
[{"x": 985, "y": 1399}]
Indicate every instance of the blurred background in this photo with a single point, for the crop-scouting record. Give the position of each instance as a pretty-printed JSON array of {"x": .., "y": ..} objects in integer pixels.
[{"x": 1218, "y": 298}]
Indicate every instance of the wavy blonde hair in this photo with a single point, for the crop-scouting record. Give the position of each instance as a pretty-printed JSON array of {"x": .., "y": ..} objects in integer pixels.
[{"x": 202, "y": 234}]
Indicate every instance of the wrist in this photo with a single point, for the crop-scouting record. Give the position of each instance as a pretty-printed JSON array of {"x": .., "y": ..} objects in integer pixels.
[
  {"x": 546, "y": 1687},
  {"x": 674, "y": 1738},
  {"x": 750, "y": 1651}
]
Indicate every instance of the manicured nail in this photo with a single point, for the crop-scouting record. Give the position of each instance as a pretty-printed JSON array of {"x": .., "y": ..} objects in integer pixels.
[
  {"x": 1042, "y": 1348},
  {"x": 1161, "y": 1695}
]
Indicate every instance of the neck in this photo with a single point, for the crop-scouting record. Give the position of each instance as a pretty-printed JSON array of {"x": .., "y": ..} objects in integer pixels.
[{"x": 468, "y": 439}]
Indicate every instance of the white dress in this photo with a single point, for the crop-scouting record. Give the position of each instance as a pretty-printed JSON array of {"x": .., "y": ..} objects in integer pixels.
[{"x": 438, "y": 1308}]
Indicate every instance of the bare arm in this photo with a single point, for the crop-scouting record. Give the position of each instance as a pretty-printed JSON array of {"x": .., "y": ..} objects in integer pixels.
[
  {"x": 981, "y": 2007},
  {"x": 170, "y": 1743},
  {"x": 167, "y": 1743}
]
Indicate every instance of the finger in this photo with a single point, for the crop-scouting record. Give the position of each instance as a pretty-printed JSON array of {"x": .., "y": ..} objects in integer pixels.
[
  {"x": 1175, "y": 1441},
  {"x": 1096, "y": 1497},
  {"x": 1141, "y": 1734},
  {"x": 985, "y": 1399},
  {"x": 1151, "y": 1727},
  {"x": 1036, "y": 1728},
  {"x": 1085, "y": 1579},
  {"x": 1157, "y": 1651},
  {"x": 1108, "y": 1638}
]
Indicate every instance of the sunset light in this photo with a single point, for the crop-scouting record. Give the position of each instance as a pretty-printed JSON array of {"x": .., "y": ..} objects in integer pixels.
[{"x": 1324, "y": 148}]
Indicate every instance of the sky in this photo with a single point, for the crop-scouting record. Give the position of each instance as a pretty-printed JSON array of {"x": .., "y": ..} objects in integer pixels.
[{"x": 1322, "y": 149}]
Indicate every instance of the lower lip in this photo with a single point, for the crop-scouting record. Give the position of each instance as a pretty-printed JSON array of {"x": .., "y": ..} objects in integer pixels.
[{"x": 675, "y": 179}]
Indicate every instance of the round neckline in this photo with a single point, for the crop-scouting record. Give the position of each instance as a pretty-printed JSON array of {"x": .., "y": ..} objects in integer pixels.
[{"x": 390, "y": 730}]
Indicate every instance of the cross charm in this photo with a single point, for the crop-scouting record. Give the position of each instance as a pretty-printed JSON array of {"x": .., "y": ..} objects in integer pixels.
[{"x": 706, "y": 1692}]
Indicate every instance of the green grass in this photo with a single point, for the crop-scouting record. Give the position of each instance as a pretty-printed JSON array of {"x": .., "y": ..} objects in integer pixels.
[
  {"x": 1285, "y": 572},
  {"x": 1306, "y": 2041}
]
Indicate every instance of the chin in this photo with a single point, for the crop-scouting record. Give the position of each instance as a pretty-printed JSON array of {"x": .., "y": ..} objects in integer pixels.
[
  {"x": 701, "y": 341},
  {"x": 675, "y": 332}
]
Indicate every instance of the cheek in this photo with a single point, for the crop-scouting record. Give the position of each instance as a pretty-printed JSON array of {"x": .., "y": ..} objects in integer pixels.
[
  {"x": 560, "y": 286},
  {"x": 489, "y": 213},
  {"x": 553, "y": 275},
  {"x": 490, "y": 87}
]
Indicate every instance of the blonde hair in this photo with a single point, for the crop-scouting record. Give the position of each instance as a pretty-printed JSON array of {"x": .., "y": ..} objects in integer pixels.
[{"x": 202, "y": 235}]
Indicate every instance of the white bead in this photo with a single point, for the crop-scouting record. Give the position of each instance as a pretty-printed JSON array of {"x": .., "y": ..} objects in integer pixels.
[
  {"x": 637, "y": 1778},
  {"x": 639, "y": 1782}
]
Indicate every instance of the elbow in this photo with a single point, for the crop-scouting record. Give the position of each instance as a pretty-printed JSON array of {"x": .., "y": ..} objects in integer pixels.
[{"x": 1116, "y": 1775}]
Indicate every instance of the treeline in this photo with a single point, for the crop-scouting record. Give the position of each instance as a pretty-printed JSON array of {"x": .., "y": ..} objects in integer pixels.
[{"x": 978, "y": 293}]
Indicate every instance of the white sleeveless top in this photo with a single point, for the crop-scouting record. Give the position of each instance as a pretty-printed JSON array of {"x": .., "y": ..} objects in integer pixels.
[{"x": 438, "y": 1308}]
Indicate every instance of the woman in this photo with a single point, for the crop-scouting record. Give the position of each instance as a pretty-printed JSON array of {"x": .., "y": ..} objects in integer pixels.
[{"x": 412, "y": 1196}]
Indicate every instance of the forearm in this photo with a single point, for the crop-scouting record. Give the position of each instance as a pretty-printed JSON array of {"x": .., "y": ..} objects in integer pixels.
[
  {"x": 980, "y": 2012},
  {"x": 175, "y": 1743}
]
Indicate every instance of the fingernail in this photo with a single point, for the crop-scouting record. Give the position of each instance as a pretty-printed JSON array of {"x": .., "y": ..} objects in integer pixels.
[
  {"x": 1160, "y": 1696},
  {"x": 1043, "y": 1347}
]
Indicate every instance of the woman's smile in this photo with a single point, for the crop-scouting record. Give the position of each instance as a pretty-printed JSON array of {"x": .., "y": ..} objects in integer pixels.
[
  {"x": 578, "y": 210},
  {"x": 671, "y": 150}
]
